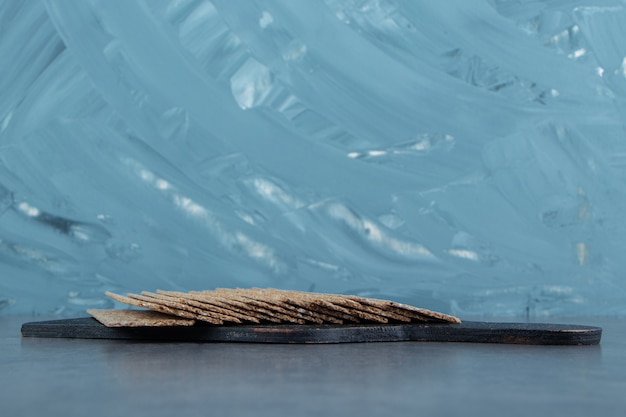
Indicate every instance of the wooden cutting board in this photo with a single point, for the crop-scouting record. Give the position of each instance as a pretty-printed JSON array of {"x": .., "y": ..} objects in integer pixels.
[{"x": 468, "y": 331}]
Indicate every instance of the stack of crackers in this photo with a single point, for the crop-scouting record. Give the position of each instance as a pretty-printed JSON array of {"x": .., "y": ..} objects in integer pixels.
[{"x": 259, "y": 306}]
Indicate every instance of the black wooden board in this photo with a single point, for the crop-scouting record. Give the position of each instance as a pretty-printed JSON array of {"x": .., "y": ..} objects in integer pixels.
[{"x": 468, "y": 331}]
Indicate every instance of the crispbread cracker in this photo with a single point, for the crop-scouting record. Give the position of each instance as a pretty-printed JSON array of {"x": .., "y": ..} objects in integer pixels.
[
  {"x": 303, "y": 304},
  {"x": 210, "y": 305},
  {"x": 179, "y": 307},
  {"x": 137, "y": 318},
  {"x": 185, "y": 305},
  {"x": 296, "y": 311},
  {"x": 369, "y": 309},
  {"x": 277, "y": 305},
  {"x": 281, "y": 299},
  {"x": 314, "y": 302},
  {"x": 246, "y": 308},
  {"x": 152, "y": 306},
  {"x": 262, "y": 305},
  {"x": 408, "y": 310}
]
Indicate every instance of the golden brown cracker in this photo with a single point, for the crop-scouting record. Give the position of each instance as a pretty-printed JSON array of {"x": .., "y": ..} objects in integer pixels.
[
  {"x": 260, "y": 305},
  {"x": 407, "y": 310},
  {"x": 137, "y": 318},
  {"x": 152, "y": 306},
  {"x": 211, "y": 305},
  {"x": 246, "y": 308},
  {"x": 183, "y": 304},
  {"x": 298, "y": 311}
]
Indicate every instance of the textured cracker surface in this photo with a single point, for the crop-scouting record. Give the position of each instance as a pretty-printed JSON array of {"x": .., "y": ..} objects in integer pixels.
[
  {"x": 265, "y": 305},
  {"x": 137, "y": 318}
]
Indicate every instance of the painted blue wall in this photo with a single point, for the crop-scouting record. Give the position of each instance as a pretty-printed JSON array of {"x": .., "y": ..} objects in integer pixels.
[{"x": 467, "y": 156}]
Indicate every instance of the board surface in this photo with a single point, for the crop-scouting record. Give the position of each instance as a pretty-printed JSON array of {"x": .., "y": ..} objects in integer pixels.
[{"x": 468, "y": 331}]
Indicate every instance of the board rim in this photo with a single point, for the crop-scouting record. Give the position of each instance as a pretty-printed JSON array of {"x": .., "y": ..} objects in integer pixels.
[{"x": 465, "y": 332}]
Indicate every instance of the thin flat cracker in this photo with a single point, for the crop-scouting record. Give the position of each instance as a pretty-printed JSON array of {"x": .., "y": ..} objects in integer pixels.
[
  {"x": 296, "y": 311},
  {"x": 259, "y": 305},
  {"x": 265, "y": 299},
  {"x": 185, "y": 305},
  {"x": 369, "y": 310},
  {"x": 152, "y": 306},
  {"x": 278, "y": 304},
  {"x": 295, "y": 308},
  {"x": 210, "y": 305},
  {"x": 137, "y": 318},
  {"x": 318, "y": 305},
  {"x": 214, "y": 302},
  {"x": 263, "y": 306},
  {"x": 243, "y": 307},
  {"x": 177, "y": 307},
  {"x": 246, "y": 308},
  {"x": 408, "y": 310}
]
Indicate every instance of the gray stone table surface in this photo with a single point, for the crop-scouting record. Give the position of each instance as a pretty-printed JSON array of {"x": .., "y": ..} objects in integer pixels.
[{"x": 70, "y": 377}]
